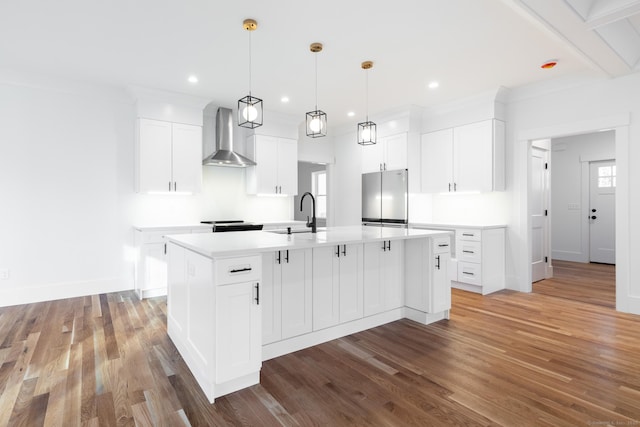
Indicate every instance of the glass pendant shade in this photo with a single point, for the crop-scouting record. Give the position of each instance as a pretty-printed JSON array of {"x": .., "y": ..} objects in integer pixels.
[
  {"x": 316, "y": 123},
  {"x": 250, "y": 112},
  {"x": 367, "y": 133}
]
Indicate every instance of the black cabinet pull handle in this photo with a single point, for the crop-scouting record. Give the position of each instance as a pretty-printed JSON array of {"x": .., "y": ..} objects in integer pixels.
[
  {"x": 468, "y": 252},
  {"x": 258, "y": 293},
  {"x": 443, "y": 245},
  {"x": 278, "y": 259},
  {"x": 286, "y": 257},
  {"x": 344, "y": 250},
  {"x": 467, "y": 234},
  {"x": 438, "y": 262},
  {"x": 468, "y": 274},
  {"x": 384, "y": 245},
  {"x": 240, "y": 270},
  {"x": 338, "y": 251}
]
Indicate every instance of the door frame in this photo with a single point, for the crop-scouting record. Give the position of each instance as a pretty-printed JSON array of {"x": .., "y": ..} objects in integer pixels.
[
  {"x": 543, "y": 145},
  {"x": 620, "y": 124}
]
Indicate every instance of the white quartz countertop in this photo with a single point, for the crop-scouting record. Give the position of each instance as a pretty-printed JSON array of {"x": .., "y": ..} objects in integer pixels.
[
  {"x": 252, "y": 242},
  {"x": 173, "y": 227},
  {"x": 450, "y": 226}
]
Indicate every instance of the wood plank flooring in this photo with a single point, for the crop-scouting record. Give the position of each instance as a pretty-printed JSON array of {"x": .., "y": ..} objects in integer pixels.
[
  {"x": 586, "y": 282},
  {"x": 507, "y": 359}
]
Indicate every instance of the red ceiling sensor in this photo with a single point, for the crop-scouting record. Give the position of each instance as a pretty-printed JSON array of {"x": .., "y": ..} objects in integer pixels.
[{"x": 549, "y": 64}]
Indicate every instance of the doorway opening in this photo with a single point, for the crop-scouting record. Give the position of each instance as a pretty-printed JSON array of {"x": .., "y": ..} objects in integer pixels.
[{"x": 576, "y": 226}]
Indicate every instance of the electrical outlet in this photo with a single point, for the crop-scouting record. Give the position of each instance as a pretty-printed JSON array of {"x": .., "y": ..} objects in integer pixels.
[{"x": 4, "y": 273}]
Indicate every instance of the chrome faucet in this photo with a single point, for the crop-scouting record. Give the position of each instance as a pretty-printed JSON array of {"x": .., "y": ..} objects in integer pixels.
[{"x": 311, "y": 224}]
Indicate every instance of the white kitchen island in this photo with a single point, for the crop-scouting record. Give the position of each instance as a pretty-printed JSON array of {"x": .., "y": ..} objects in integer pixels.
[{"x": 236, "y": 299}]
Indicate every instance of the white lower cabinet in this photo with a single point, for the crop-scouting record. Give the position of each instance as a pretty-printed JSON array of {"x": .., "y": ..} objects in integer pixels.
[
  {"x": 383, "y": 276},
  {"x": 427, "y": 285},
  {"x": 480, "y": 256},
  {"x": 150, "y": 279},
  {"x": 287, "y": 294},
  {"x": 213, "y": 318},
  {"x": 337, "y": 285}
]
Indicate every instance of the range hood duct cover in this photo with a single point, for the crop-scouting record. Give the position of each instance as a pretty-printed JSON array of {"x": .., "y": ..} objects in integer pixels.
[{"x": 224, "y": 154}]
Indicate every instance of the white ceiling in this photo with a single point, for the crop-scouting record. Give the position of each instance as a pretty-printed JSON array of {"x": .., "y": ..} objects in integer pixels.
[{"x": 469, "y": 46}]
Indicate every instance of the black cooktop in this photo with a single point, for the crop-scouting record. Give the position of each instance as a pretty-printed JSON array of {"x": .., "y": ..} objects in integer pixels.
[{"x": 232, "y": 225}]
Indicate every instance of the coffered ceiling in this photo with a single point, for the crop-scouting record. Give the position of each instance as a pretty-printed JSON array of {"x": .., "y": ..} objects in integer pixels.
[{"x": 468, "y": 46}]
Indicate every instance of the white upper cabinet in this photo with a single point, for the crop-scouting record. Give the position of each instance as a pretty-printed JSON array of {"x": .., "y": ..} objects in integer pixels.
[
  {"x": 464, "y": 158},
  {"x": 276, "y": 171},
  {"x": 389, "y": 153},
  {"x": 169, "y": 157}
]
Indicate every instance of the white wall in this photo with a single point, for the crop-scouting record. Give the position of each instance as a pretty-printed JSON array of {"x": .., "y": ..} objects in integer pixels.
[
  {"x": 570, "y": 157},
  {"x": 541, "y": 112},
  {"x": 67, "y": 201},
  {"x": 346, "y": 181},
  {"x": 60, "y": 223}
]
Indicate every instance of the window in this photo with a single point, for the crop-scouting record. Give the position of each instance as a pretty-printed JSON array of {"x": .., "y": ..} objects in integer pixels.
[
  {"x": 319, "y": 189},
  {"x": 606, "y": 176}
]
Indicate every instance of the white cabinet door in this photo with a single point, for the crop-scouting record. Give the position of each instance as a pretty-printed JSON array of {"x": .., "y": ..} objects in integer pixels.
[
  {"x": 372, "y": 157},
  {"x": 297, "y": 296},
  {"x": 155, "y": 267},
  {"x": 187, "y": 158},
  {"x": 238, "y": 337},
  {"x": 437, "y": 161},
  {"x": 288, "y": 166},
  {"x": 154, "y": 156},
  {"x": 169, "y": 157},
  {"x": 373, "y": 284},
  {"x": 271, "y": 299},
  {"x": 473, "y": 156},
  {"x": 393, "y": 274},
  {"x": 383, "y": 276},
  {"x": 395, "y": 150},
  {"x": 389, "y": 153},
  {"x": 440, "y": 295},
  {"x": 326, "y": 287},
  {"x": 351, "y": 288},
  {"x": 276, "y": 171}
]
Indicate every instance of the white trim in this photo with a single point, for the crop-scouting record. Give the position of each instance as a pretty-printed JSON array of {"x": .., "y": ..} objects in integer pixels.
[{"x": 53, "y": 291}]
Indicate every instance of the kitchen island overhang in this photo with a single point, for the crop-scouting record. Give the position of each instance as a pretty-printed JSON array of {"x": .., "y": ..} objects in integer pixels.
[{"x": 302, "y": 289}]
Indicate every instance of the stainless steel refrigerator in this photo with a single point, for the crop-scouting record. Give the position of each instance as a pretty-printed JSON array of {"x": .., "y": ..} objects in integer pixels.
[{"x": 385, "y": 198}]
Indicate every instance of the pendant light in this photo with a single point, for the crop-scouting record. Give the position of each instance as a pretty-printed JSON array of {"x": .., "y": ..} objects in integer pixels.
[
  {"x": 317, "y": 119},
  {"x": 367, "y": 134},
  {"x": 250, "y": 107}
]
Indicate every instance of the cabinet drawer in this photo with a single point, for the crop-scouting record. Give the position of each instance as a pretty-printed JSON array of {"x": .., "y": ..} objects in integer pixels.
[
  {"x": 469, "y": 251},
  {"x": 468, "y": 234},
  {"x": 236, "y": 270},
  {"x": 441, "y": 245},
  {"x": 469, "y": 273}
]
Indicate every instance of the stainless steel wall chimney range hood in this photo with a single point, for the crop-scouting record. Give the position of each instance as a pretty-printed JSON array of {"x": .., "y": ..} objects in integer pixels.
[{"x": 224, "y": 154}]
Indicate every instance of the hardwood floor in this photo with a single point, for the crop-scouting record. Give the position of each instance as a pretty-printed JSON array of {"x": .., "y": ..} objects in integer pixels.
[
  {"x": 590, "y": 283},
  {"x": 507, "y": 359}
]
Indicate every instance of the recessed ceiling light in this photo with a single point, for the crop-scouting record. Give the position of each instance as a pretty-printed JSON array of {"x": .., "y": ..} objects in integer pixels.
[
  {"x": 284, "y": 99},
  {"x": 192, "y": 79},
  {"x": 351, "y": 114},
  {"x": 433, "y": 85}
]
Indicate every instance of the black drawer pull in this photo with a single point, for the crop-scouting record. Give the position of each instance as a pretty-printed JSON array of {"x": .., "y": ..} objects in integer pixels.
[
  {"x": 257, "y": 294},
  {"x": 438, "y": 262},
  {"x": 468, "y": 274},
  {"x": 468, "y": 252},
  {"x": 240, "y": 270},
  {"x": 468, "y": 234},
  {"x": 442, "y": 245}
]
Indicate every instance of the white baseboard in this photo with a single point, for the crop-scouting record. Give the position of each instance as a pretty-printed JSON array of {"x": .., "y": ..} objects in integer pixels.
[
  {"x": 568, "y": 256},
  {"x": 17, "y": 295}
]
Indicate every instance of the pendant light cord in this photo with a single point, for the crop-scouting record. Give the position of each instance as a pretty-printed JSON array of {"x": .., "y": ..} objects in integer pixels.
[
  {"x": 367, "y": 94},
  {"x": 316, "y": 55},
  {"x": 249, "y": 63}
]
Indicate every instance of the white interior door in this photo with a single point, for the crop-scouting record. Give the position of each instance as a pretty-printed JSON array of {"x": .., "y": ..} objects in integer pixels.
[
  {"x": 602, "y": 200},
  {"x": 538, "y": 201}
]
